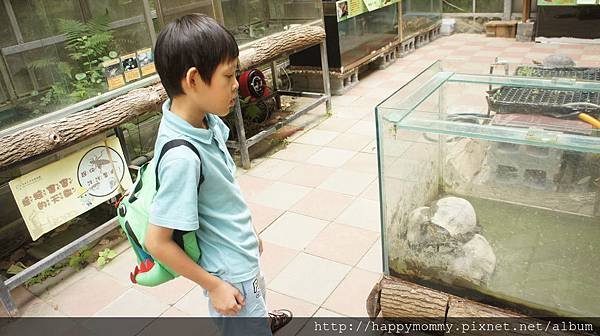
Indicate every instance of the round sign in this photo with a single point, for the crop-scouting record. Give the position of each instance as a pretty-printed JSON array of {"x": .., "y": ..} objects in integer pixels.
[{"x": 100, "y": 171}]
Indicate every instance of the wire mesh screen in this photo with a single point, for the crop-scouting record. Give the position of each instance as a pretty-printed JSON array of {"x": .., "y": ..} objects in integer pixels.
[
  {"x": 556, "y": 103},
  {"x": 592, "y": 74}
]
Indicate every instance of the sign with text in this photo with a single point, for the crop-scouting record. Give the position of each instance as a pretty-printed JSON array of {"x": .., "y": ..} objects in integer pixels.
[
  {"x": 350, "y": 8},
  {"x": 62, "y": 190}
]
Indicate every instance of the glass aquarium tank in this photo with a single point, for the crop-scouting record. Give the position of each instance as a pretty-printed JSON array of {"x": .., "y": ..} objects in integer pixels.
[
  {"x": 360, "y": 35},
  {"x": 418, "y": 15},
  {"x": 254, "y": 19},
  {"x": 490, "y": 187}
]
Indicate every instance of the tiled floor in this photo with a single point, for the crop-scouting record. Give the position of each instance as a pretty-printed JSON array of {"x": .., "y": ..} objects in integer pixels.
[{"x": 316, "y": 204}]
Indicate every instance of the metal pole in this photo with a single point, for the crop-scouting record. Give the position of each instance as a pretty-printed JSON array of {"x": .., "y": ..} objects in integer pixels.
[
  {"x": 325, "y": 70},
  {"x": 121, "y": 136},
  {"x": 526, "y": 10},
  {"x": 12, "y": 92},
  {"x": 149, "y": 22},
  {"x": 7, "y": 300},
  {"x": 159, "y": 14},
  {"x": 239, "y": 127},
  {"x": 218, "y": 11},
  {"x": 400, "y": 21},
  {"x": 507, "y": 9},
  {"x": 275, "y": 77},
  {"x": 274, "y": 74}
]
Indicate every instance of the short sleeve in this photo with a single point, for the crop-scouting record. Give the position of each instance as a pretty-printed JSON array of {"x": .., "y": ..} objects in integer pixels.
[{"x": 175, "y": 204}]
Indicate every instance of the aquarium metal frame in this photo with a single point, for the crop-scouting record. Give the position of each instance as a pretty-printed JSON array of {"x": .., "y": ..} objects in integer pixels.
[
  {"x": 243, "y": 144},
  {"x": 498, "y": 133}
]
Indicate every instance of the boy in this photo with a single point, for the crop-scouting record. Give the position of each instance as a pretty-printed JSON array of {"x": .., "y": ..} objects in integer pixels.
[{"x": 196, "y": 59}]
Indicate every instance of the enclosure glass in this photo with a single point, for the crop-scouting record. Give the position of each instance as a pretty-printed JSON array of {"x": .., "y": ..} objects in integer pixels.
[
  {"x": 52, "y": 52},
  {"x": 362, "y": 34},
  {"x": 254, "y": 19},
  {"x": 491, "y": 187},
  {"x": 420, "y": 15}
]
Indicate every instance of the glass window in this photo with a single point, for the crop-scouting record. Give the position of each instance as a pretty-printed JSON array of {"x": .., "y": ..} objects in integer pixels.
[
  {"x": 418, "y": 15},
  {"x": 65, "y": 43},
  {"x": 247, "y": 20},
  {"x": 7, "y": 37},
  {"x": 3, "y": 95},
  {"x": 38, "y": 19},
  {"x": 481, "y": 6},
  {"x": 128, "y": 25},
  {"x": 140, "y": 134},
  {"x": 173, "y": 9},
  {"x": 254, "y": 19}
]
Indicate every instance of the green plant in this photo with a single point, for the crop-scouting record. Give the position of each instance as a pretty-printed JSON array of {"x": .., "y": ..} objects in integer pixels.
[
  {"x": 16, "y": 268},
  {"x": 49, "y": 272},
  {"x": 80, "y": 258},
  {"x": 122, "y": 233},
  {"x": 526, "y": 71},
  {"x": 280, "y": 142},
  {"x": 82, "y": 76},
  {"x": 105, "y": 256},
  {"x": 329, "y": 113}
]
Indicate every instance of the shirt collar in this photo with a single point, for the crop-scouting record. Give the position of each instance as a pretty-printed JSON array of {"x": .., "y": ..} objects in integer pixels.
[{"x": 179, "y": 124}]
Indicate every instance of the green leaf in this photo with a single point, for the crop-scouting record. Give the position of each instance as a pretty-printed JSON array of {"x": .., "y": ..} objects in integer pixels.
[
  {"x": 111, "y": 254},
  {"x": 16, "y": 268},
  {"x": 253, "y": 111},
  {"x": 80, "y": 76},
  {"x": 113, "y": 54},
  {"x": 101, "y": 261}
]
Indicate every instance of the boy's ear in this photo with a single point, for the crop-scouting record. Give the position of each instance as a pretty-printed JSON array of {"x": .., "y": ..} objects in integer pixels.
[{"x": 191, "y": 79}]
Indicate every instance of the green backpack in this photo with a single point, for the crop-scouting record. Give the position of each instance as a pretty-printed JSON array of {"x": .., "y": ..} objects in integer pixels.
[{"x": 133, "y": 212}]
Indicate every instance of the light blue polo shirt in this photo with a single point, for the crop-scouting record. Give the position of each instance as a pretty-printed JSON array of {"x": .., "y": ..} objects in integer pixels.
[{"x": 217, "y": 211}]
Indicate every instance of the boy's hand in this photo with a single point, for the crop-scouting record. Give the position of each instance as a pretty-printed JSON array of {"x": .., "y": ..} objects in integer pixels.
[{"x": 226, "y": 299}]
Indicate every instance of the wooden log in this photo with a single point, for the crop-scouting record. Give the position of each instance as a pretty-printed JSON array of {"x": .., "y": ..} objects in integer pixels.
[
  {"x": 405, "y": 300},
  {"x": 374, "y": 301},
  {"x": 78, "y": 126},
  {"x": 269, "y": 48}
]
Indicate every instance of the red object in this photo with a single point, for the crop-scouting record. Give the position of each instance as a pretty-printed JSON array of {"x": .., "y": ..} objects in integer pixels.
[
  {"x": 253, "y": 84},
  {"x": 143, "y": 267},
  {"x": 119, "y": 200}
]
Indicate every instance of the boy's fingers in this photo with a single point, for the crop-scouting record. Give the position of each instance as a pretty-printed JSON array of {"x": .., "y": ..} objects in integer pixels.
[{"x": 239, "y": 297}]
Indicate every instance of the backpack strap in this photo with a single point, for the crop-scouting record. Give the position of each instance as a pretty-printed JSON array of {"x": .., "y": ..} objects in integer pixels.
[
  {"x": 176, "y": 143},
  {"x": 178, "y": 234}
]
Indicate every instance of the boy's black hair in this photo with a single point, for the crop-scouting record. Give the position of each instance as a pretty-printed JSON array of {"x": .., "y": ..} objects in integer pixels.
[{"x": 193, "y": 40}]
